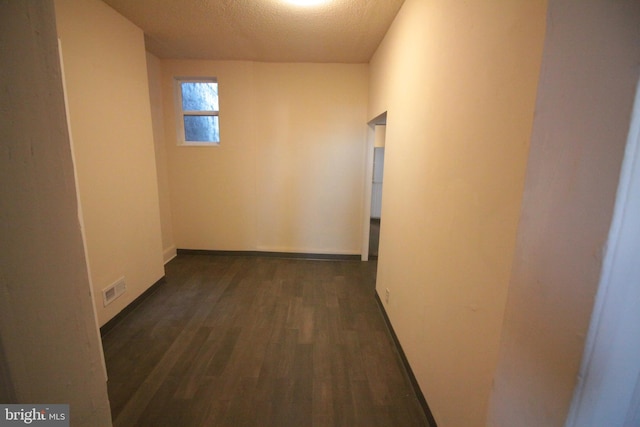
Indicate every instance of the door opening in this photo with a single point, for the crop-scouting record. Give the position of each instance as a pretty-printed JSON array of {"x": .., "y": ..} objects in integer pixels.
[
  {"x": 373, "y": 189},
  {"x": 376, "y": 198},
  {"x": 609, "y": 388}
]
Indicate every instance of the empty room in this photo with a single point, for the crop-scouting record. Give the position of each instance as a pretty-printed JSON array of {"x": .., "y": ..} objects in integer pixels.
[{"x": 190, "y": 191}]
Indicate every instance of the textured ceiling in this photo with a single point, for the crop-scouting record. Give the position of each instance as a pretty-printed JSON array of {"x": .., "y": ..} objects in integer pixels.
[{"x": 261, "y": 30}]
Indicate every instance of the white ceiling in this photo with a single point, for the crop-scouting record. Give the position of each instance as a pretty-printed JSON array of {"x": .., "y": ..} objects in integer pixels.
[{"x": 345, "y": 31}]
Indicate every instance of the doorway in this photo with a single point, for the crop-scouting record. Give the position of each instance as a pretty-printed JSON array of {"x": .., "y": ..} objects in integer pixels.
[
  {"x": 376, "y": 197},
  {"x": 608, "y": 392},
  {"x": 372, "y": 217}
]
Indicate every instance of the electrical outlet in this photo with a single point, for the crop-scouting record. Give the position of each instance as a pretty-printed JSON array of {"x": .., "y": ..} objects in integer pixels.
[{"x": 386, "y": 295}]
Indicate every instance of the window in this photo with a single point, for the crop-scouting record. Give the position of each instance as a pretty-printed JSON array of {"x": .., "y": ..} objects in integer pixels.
[{"x": 197, "y": 111}]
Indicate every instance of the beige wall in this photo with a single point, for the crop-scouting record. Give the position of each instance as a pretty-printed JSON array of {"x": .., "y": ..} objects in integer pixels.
[
  {"x": 458, "y": 80},
  {"x": 49, "y": 347},
  {"x": 108, "y": 95},
  {"x": 154, "y": 73},
  {"x": 288, "y": 175},
  {"x": 585, "y": 97}
]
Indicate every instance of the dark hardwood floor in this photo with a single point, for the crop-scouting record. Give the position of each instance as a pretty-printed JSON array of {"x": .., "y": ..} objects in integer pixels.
[{"x": 258, "y": 341}]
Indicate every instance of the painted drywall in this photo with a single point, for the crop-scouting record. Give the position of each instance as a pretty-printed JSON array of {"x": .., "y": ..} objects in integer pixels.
[
  {"x": 585, "y": 97},
  {"x": 288, "y": 175},
  {"x": 108, "y": 96},
  {"x": 154, "y": 74},
  {"x": 50, "y": 344},
  {"x": 458, "y": 81},
  {"x": 380, "y": 133}
]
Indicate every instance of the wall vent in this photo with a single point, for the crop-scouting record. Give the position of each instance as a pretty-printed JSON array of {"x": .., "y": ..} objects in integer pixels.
[{"x": 113, "y": 291}]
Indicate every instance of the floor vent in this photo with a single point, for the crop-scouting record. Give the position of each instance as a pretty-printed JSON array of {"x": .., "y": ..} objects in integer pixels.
[{"x": 113, "y": 291}]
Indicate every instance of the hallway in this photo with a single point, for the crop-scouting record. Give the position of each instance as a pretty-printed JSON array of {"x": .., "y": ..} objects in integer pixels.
[{"x": 248, "y": 341}]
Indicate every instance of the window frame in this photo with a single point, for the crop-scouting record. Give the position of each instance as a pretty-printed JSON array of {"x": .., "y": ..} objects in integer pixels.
[{"x": 180, "y": 114}]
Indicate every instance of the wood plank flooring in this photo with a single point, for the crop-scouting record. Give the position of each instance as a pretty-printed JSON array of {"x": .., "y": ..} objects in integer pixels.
[{"x": 258, "y": 341}]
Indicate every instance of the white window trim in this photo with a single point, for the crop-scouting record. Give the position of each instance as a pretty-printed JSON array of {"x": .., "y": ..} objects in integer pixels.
[{"x": 180, "y": 113}]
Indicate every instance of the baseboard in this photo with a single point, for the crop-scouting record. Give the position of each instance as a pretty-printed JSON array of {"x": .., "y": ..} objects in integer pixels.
[
  {"x": 405, "y": 362},
  {"x": 169, "y": 254},
  {"x": 294, "y": 255},
  {"x": 104, "y": 329}
]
